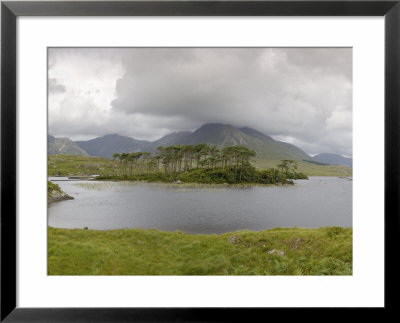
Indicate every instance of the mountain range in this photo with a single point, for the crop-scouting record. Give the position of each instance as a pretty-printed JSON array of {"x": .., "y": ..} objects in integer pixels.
[
  {"x": 63, "y": 146},
  {"x": 216, "y": 134}
]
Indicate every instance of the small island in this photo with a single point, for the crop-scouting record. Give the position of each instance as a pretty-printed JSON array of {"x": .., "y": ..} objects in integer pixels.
[
  {"x": 200, "y": 163},
  {"x": 55, "y": 193}
]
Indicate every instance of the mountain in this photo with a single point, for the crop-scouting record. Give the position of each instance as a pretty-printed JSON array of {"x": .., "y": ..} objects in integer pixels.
[
  {"x": 227, "y": 135},
  {"x": 216, "y": 134},
  {"x": 274, "y": 149},
  {"x": 334, "y": 159},
  {"x": 171, "y": 139},
  {"x": 65, "y": 146},
  {"x": 107, "y": 145}
]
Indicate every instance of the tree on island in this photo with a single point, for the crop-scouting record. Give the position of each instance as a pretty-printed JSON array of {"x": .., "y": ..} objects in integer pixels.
[{"x": 201, "y": 163}]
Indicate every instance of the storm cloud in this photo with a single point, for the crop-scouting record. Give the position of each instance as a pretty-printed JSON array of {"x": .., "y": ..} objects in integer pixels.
[{"x": 299, "y": 95}]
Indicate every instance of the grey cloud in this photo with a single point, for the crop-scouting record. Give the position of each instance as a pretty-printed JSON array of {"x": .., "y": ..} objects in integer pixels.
[
  {"x": 301, "y": 93},
  {"x": 54, "y": 87}
]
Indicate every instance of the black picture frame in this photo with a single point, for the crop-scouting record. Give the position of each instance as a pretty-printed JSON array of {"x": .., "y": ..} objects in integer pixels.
[{"x": 11, "y": 10}]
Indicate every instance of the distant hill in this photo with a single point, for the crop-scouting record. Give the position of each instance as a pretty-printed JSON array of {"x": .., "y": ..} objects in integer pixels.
[
  {"x": 216, "y": 134},
  {"x": 334, "y": 159},
  {"x": 65, "y": 146},
  {"x": 107, "y": 145}
]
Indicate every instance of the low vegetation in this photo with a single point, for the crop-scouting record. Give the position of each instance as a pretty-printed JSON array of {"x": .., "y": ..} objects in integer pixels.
[
  {"x": 323, "y": 251},
  {"x": 51, "y": 187},
  {"x": 309, "y": 168},
  {"x": 190, "y": 164},
  {"x": 64, "y": 165},
  {"x": 55, "y": 193},
  {"x": 241, "y": 175},
  {"x": 200, "y": 164}
]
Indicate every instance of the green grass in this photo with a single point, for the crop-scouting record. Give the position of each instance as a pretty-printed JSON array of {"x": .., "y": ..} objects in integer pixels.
[
  {"x": 323, "y": 251},
  {"x": 63, "y": 165},
  {"x": 248, "y": 175},
  {"x": 52, "y": 187},
  {"x": 310, "y": 169}
]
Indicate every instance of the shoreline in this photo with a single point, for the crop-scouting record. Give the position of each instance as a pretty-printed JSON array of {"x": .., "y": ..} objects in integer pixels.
[
  {"x": 55, "y": 193},
  {"x": 59, "y": 198},
  {"x": 197, "y": 234},
  {"x": 65, "y": 165},
  {"x": 180, "y": 183},
  {"x": 187, "y": 184}
]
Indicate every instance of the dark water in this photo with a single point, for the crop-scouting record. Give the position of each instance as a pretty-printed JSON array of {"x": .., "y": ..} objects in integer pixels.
[{"x": 320, "y": 201}]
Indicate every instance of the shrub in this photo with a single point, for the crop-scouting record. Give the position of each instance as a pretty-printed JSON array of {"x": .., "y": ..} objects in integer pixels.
[{"x": 52, "y": 187}]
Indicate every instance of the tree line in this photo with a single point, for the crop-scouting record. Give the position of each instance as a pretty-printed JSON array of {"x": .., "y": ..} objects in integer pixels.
[
  {"x": 201, "y": 163},
  {"x": 182, "y": 158}
]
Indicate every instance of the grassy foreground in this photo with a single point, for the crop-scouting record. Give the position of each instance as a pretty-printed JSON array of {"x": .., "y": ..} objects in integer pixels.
[{"x": 323, "y": 251}]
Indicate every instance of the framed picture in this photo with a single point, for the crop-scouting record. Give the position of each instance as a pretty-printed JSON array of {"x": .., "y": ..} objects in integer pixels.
[{"x": 196, "y": 154}]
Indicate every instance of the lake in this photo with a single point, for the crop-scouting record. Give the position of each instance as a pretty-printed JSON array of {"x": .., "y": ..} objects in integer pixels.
[{"x": 319, "y": 201}]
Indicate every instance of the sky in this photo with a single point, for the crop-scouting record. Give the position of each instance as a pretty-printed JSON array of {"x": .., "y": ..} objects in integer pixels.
[{"x": 298, "y": 95}]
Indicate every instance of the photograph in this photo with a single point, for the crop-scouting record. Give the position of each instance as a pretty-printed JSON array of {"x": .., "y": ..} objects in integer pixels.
[{"x": 200, "y": 161}]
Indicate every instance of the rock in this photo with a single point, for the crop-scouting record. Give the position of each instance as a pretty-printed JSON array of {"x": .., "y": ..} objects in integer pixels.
[
  {"x": 233, "y": 239},
  {"x": 277, "y": 252},
  {"x": 58, "y": 196},
  {"x": 296, "y": 243}
]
